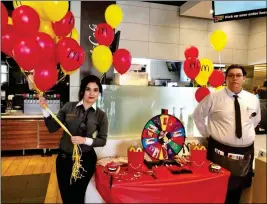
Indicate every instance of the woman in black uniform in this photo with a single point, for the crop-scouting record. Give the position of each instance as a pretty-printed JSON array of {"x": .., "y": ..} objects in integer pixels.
[{"x": 82, "y": 119}]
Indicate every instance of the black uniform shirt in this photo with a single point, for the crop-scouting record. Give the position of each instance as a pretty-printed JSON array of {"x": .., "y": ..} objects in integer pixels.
[{"x": 80, "y": 123}]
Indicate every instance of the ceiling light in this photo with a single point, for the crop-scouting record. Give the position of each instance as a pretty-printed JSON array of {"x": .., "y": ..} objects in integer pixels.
[{"x": 211, "y": 11}]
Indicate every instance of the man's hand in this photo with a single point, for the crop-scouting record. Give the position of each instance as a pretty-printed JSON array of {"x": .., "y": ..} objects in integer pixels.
[{"x": 77, "y": 140}]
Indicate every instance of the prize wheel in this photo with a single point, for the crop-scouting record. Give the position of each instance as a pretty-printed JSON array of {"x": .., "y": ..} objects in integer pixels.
[{"x": 163, "y": 136}]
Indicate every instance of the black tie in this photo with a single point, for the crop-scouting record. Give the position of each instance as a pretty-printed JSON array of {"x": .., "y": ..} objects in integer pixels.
[{"x": 238, "y": 128}]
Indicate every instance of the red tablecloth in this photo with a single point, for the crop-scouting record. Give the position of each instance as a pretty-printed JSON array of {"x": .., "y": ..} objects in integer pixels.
[{"x": 204, "y": 187}]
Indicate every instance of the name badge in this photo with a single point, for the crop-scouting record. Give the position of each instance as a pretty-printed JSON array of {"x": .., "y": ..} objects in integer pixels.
[{"x": 71, "y": 115}]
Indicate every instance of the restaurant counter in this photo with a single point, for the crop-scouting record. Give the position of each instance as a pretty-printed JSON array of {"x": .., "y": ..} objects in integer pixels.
[{"x": 21, "y": 132}]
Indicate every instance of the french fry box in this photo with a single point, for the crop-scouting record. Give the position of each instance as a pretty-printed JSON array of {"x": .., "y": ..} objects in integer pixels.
[
  {"x": 136, "y": 160},
  {"x": 199, "y": 162}
]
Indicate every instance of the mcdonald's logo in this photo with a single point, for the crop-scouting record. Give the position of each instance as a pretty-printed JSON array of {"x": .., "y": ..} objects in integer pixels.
[
  {"x": 192, "y": 65},
  {"x": 103, "y": 31},
  {"x": 205, "y": 68},
  {"x": 72, "y": 54}
]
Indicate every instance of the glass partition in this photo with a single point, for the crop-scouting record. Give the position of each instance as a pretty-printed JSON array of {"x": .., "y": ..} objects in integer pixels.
[{"x": 130, "y": 107}]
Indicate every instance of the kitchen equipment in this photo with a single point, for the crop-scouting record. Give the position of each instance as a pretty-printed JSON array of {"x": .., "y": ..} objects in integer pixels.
[
  {"x": 172, "y": 84},
  {"x": 3, "y": 106},
  {"x": 17, "y": 102},
  {"x": 31, "y": 105},
  {"x": 161, "y": 82}
]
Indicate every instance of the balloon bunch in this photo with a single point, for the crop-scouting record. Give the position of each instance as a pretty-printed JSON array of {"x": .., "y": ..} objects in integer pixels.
[
  {"x": 39, "y": 36},
  {"x": 202, "y": 72},
  {"x": 102, "y": 56}
]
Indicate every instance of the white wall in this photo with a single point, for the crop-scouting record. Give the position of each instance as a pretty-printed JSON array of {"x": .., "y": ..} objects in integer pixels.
[
  {"x": 157, "y": 31},
  {"x": 75, "y": 7},
  {"x": 257, "y": 41}
]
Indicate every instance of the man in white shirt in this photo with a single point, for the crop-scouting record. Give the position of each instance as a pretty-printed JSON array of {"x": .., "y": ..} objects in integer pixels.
[{"x": 232, "y": 115}]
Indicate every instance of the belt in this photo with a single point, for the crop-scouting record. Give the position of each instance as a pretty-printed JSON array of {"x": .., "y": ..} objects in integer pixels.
[{"x": 66, "y": 155}]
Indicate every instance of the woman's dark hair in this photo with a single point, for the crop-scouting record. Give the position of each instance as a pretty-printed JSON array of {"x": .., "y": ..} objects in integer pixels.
[
  {"x": 236, "y": 66},
  {"x": 85, "y": 81}
]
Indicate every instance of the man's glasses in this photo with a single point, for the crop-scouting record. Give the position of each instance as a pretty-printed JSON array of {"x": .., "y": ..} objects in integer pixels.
[{"x": 238, "y": 76}]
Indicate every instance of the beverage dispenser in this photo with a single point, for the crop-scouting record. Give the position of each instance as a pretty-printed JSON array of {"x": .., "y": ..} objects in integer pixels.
[{"x": 32, "y": 105}]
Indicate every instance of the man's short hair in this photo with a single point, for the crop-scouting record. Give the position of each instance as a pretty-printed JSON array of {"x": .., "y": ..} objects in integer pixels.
[{"x": 236, "y": 66}]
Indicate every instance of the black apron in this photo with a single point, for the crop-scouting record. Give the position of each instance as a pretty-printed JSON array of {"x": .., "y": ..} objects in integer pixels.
[{"x": 241, "y": 170}]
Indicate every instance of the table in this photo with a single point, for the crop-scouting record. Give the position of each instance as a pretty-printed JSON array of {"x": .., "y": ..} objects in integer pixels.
[{"x": 198, "y": 187}]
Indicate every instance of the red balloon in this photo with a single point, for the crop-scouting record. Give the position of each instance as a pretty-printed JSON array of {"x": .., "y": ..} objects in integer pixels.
[
  {"x": 65, "y": 25},
  {"x": 192, "y": 67},
  {"x": 191, "y": 51},
  {"x": 64, "y": 44},
  {"x": 104, "y": 34},
  {"x": 216, "y": 78},
  {"x": 45, "y": 75},
  {"x": 4, "y": 17},
  {"x": 26, "y": 21},
  {"x": 122, "y": 60},
  {"x": 201, "y": 93},
  {"x": 26, "y": 53},
  {"x": 73, "y": 58},
  {"x": 8, "y": 39},
  {"x": 47, "y": 46}
]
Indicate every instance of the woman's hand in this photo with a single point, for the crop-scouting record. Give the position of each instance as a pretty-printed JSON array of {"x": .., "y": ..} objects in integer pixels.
[
  {"x": 77, "y": 140},
  {"x": 42, "y": 101}
]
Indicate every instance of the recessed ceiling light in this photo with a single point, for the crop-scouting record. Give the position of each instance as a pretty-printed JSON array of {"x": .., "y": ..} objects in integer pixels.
[{"x": 211, "y": 11}]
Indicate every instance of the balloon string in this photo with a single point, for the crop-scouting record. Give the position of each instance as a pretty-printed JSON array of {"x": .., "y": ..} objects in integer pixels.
[
  {"x": 46, "y": 107},
  {"x": 62, "y": 78},
  {"x": 101, "y": 78},
  {"x": 220, "y": 61},
  {"x": 7, "y": 61}
]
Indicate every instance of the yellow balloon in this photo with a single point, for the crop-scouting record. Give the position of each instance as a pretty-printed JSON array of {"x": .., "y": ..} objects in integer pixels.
[
  {"x": 74, "y": 34},
  {"x": 206, "y": 68},
  {"x": 55, "y": 10},
  {"x": 16, "y": 4},
  {"x": 219, "y": 88},
  {"x": 36, "y": 5},
  {"x": 10, "y": 22},
  {"x": 102, "y": 58},
  {"x": 202, "y": 80},
  {"x": 218, "y": 40},
  {"x": 46, "y": 27},
  {"x": 113, "y": 15}
]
